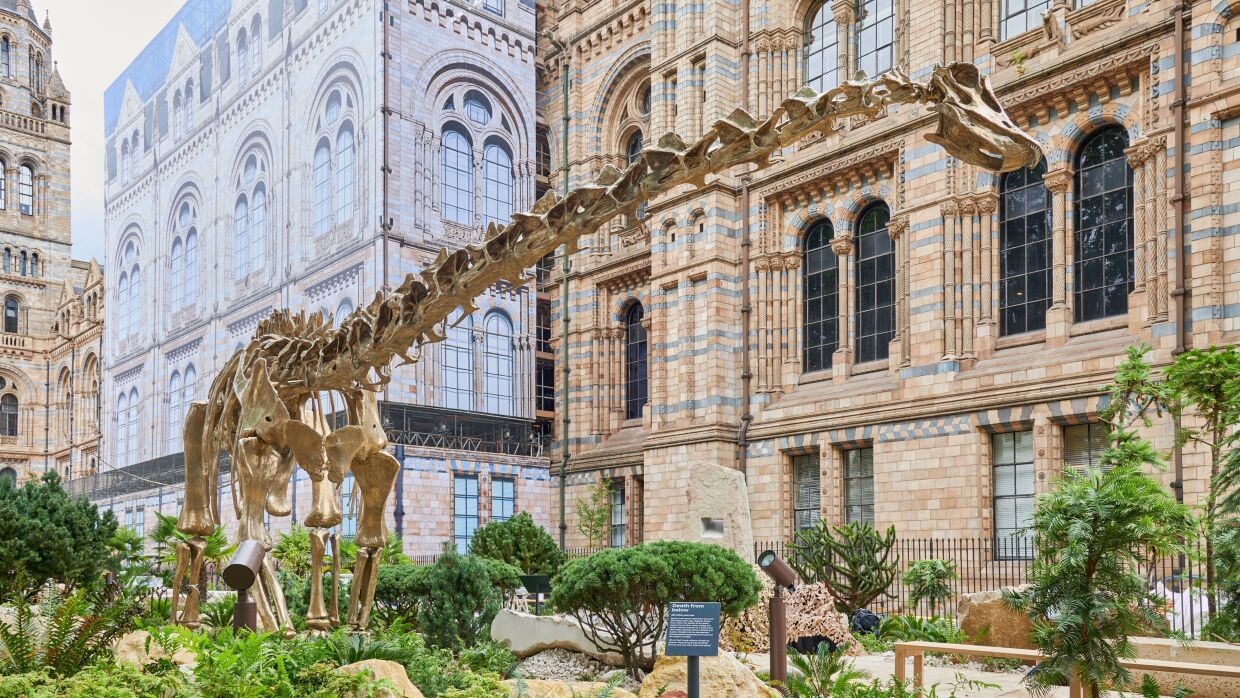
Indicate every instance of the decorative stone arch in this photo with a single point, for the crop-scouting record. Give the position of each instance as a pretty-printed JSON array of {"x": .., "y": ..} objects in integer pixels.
[
  {"x": 458, "y": 77},
  {"x": 187, "y": 189},
  {"x": 1061, "y": 147},
  {"x": 134, "y": 231},
  {"x": 856, "y": 201},
  {"x": 341, "y": 70},
  {"x": 620, "y": 83}
]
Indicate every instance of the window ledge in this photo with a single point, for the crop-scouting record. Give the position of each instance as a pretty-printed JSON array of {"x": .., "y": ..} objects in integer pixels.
[
  {"x": 1100, "y": 325},
  {"x": 1023, "y": 339},
  {"x": 823, "y": 376},
  {"x": 870, "y": 367}
]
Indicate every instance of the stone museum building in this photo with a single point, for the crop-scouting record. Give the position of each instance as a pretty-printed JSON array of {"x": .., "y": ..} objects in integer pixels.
[
  {"x": 869, "y": 329},
  {"x": 51, "y": 330},
  {"x": 306, "y": 154}
]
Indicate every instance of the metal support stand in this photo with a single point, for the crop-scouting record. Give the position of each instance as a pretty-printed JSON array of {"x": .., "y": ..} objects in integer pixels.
[
  {"x": 245, "y": 612},
  {"x": 695, "y": 689},
  {"x": 779, "y": 640}
]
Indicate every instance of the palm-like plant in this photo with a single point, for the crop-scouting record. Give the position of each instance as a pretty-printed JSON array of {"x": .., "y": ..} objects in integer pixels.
[
  {"x": 165, "y": 536},
  {"x": 823, "y": 674},
  {"x": 219, "y": 614}
]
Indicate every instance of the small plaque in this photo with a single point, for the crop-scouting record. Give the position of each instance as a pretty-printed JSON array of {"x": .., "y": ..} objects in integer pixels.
[{"x": 693, "y": 629}]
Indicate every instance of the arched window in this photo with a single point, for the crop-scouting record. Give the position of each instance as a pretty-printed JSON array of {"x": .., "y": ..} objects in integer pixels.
[
  {"x": 344, "y": 173},
  {"x": 8, "y": 261},
  {"x": 190, "y": 285},
  {"x": 122, "y": 305},
  {"x": 177, "y": 116},
  {"x": 322, "y": 188},
  {"x": 243, "y": 53},
  {"x": 256, "y": 45},
  {"x": 175, "y": 414},
  {"x": 125, "y": 161},
  {"x": 822, "y": 49},
  {"x": 497, "y": 183},
  {"x": 458, "y": 353},
  {"x": 498, "y": 374},
  {"x": 258, "y": 229},
  {"x": 1025, "y": 250},
  {"x": 129, "y": 291},
  {"x": 1102, "y": 264},
  {"x": 12, "y": 311},
  {"x": 342, "y": 312},
  {"x": 635, "y": 372},
  {"x": 633, "y": 148},
  {"x": 25, "y": 190},
  {"x": 6, "y": 57},
  {"x": 477, "y": 108},
  {"x": 241, "y": 237},
  {"x": 876, "y": 31},
  {"x": 131, "y": 434},
  {"x": 135, "y": 144},
  {"x": 458, "y": 176},
  {"x": 189, "y": 107},
  {"x": 4, "y": 166},
  {"x": 821, "y": 293},
  {"x": 122, "y": 429},
  {"x": 8, "y": 415},
  {"x": 9, "y": 475},
  {"x": 876, "y": 284},
  {"x": 190, "y": 389},
  {"x": 177, "y": 277}
]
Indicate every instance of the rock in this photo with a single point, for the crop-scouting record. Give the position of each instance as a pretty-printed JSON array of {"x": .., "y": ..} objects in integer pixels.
[
  {"x": 525, "y": 635},
  {"x": 535, "y": 688},
  {"x": 811, "y": 613},
  {"x": 750, "y": 631},
  {"x": 717, "y": 510},
  {"x": 1196, "y": 652},
  {"x": 561, "y": 665},
  {"x": 131, "y": 649},
  {"x": 723, "y": 676},
  {"x": 986, "y": 620},
  {"x": 384, "y": 669}
]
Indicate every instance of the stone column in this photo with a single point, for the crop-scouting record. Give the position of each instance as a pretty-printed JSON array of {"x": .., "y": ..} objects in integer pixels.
[
  {"x": 951, "y": 212},
  {"x": 987, "y": 326},
  {"x": 1157, "y": 246},
  {"x": 897, "y": 230},
  {"x": 968, "y": 278},
  {"x": 842, "y": 359},
  {"x": 1138, "y": 310},
  {"x": 1059, "y": 316},
  {"x": 845, "y": 12}
]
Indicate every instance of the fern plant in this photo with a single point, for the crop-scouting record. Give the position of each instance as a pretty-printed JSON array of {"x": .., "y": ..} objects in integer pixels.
[
  {"x": 825, "y": 673},
  {"x": 219, "y": 614}
]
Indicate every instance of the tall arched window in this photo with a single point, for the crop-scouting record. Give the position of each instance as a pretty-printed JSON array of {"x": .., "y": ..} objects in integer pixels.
[
  {"x": 876, "y": 32},
  {"x": 258, "y": 229},
  {"x": 322, "y": 188},
  {"x": 125, "y": 160},
  {"x": 8, "y": 415},
  {"x": 184, "y": 262},
  {"x": 4, "y": 166},
  {"x": 633, "y": 148},
  {"x": 129, "y": 291},
  {"x": 822, "y": 49},
  {"x": 175, "y": 414},
  {"x": 344, "y": 173},
  {"x": 821, "y": 293},
  {"x": 256, "y": 45},
  {"x": 458, "y": 176},
  {"x": 177, "y": 277},
  {"x": 122, "y": 305},
  {"x": 1025, "y": 250},
  {"x": 635, "y": 368},
  {"x": 190, "y": 386},
  {"x": 876, "y": 284},
  {"x": 134, "y": 146},
  {"x": 12, "y": 312},
  {"x": 190, "y": 286},
  {"x": 177, "y": 116},
  {"x": 497, "y": 185},
  {"x": 243, "y": 54},
  {"x": 25, "y": 190},
  {"x": 189, "y": 107},
  {"x": 458, "y": 364},
  {"x": 498, "y": 376},
  {"x": 6, "y": 57},
  {"x": 241, "y": 237},
  {"x": 1102, "y": 264},
  {"x": 122, "y": 429},
  {"x": 131, "y": 433}
]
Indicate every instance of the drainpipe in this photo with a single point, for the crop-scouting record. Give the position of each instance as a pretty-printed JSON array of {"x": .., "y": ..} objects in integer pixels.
[
  {"x": 742, "y": 435},
  {"x": 1179, "y": 292},
  {"x": 385, "y": 225},
  {"x": 565, "y": 267},
  {"x": 47, "y": 410}
]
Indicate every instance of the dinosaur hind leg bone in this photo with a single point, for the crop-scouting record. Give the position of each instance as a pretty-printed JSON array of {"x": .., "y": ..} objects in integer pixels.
[{"x": 375, "y": 476}]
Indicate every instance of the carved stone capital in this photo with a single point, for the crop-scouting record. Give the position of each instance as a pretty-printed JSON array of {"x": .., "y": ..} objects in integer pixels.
[
  {"x": 897, "y": 226},
  {"x": 1137, "y": 154},
  {"x": 842, "y": 245},
  {"x": 844, "y": 12},
  {"x": 950, "y": 207},
  {"x": 987, "y": 203},
  {"x": 1058, "y": 181}
]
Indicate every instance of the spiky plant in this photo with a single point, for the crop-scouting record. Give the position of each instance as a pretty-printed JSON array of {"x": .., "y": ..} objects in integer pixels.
[
  {"x": 856, "y": 563},
  {"x": 824, "y": 673}
]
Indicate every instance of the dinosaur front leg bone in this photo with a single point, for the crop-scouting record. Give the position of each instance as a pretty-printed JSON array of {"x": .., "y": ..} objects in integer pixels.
[
  {"x": 197, "y": 549},
  {"x": 316, "y": 617},
  {"x": 362, "y": 592},
  {"x": 334, "y": 539},
  {"x": 375, "y": 476},
  {"x": 324, "y": 514},
  {"x": 257, "y": 463},
  {"x": 178, "y": 578}
]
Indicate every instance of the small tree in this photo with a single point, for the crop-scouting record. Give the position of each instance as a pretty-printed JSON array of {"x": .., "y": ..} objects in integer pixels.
[
  {"x": 594, "y": 514},
  {"x": 464, "y": 601},
  {"x": 1224, "y": 624},
  {"x": 520, "y": 542},
  {"x": 401, "y": 587},
  {"x": 620, "y": 595},
  {"x": 1091, "y": 534},
  {"x": 929, "y": 580},
  {"x": 52, "y": 536},
  {"x": 165, "y": 536},
  {"x": 855, "y": 562}
]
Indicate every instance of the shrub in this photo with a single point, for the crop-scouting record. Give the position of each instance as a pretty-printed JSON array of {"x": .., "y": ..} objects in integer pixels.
[
  {"x": 489, "y": 657},
  {"x": 620, "y": 595},
  {"x": 927, "y": 580},
  {"x": 250, "y": 665},
  {"x": 503, "y": 576},
  {"x": 855, "y": 562},
  {"x": 102, "y": 681},
  {"x": 1225, "y": 624},
  {"x": 914, "y": 629},
  {"x": 401, "y": 587},
  {"x": 520, "y": 542},
  {"x": 824, "y": 673},
  {"x": 465, "y": 601},
  {"x": 52, "y": 536}
]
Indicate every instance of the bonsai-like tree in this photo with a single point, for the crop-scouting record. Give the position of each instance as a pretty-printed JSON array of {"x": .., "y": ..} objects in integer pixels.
[
  {"x": 1091, "y": 534},
  {"x": 856, "y": 563},
  {"x": 520, "y": 542},
  {"x": 594, "y": 514},
  {"x": 463, "y": 600},
  {"x": 928, "y": 580}
]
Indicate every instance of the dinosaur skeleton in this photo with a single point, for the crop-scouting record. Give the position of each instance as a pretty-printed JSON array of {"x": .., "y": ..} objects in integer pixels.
[{"x": 254, "y": 411}]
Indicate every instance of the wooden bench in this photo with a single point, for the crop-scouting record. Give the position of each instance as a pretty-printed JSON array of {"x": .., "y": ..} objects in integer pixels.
[{"x": 917, "y": 650}]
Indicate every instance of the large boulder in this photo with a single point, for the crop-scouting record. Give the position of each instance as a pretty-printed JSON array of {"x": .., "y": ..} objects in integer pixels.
[
  {"x": 391, "y": 671},
  {"x": 717, "y": 510},
  {"x": 723, "y": 676},
  {"x": 986, "y": 620},
  {"x": 1196, "y": 652},
  {"x": 525, "y": 635},
  {"x": 563, "y": 689},
  {"x": 131, "y": 648},
  {"x": 811, "y": 613}
]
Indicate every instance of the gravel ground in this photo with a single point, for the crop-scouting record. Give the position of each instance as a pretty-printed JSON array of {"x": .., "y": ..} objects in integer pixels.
[{"x": 563, "y": 665}]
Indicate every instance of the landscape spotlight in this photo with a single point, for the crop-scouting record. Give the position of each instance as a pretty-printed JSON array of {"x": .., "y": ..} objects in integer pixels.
[{"x": 777, "y": 570}]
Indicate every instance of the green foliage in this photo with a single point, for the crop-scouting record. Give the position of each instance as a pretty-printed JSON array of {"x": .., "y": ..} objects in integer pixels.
[
  {"x": 928, "y": 580},
  {"x": 856, "y": 563},
  {"x": 400, "y": 588},
  {"x": 826, "y": 673},
  {"x": 71, "y": 632},
  {"x": 488, "y": 657},
  {"x": 520, "y": 542},
  {"x": 342, "y": 648},
  {"x": 1224, "y": 625},
  {"x": 873, "y": 643},
  {"x": 465, "y": 601},
  {"x": 126, "y": 560},
  {"x": 620, "y": 595},
  {"x": 101, "y": 681},
  {"x": 219, "y": 614},
  {"x": 594, "y": 514},
  {"x": 292, "y": 551},
  {"x": 438, "y": 675},
  {"x": 503, "y": 576},
  {"x": 1091, "y": 532},
  {"x": 51, "y": 535},
  {"x": 916, "y": 629},
  {"x": 165, "y": 536}
]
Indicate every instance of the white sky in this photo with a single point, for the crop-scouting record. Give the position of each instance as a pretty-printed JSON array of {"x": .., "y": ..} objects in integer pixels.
[{"x": 92, "y": 42}]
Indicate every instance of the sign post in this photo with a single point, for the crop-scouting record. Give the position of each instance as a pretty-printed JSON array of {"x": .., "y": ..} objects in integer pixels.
[{"x": 693, "y": 632}]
